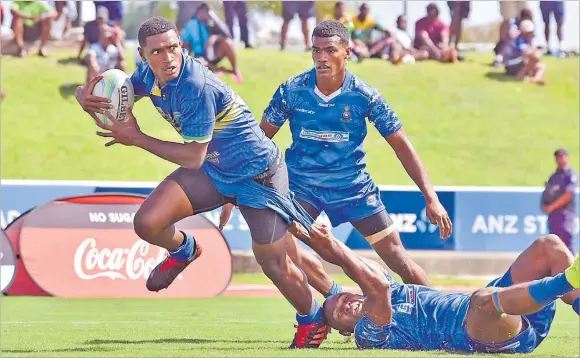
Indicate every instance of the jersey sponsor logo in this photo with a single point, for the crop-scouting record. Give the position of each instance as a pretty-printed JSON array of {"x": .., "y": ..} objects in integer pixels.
[
  {"x": 326, "y": 105},
  {"x": 412, "y": 296},
  {"x": 404, "y": 308},
  {"x": 346, "y": 115},
  {"x": 307, "y": 111},
  {"x": 213, "y": 157},
  {"x": 325, "y": 136}
]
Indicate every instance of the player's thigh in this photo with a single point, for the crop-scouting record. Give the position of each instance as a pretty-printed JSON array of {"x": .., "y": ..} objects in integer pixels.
[
  {"x": 266, "y": 226},
  {"x": 539, "y": 259},
  {"x": 484, "y": 323},
  {"x": 381, "y": 233},
  {"x": 183, "y": 193}
]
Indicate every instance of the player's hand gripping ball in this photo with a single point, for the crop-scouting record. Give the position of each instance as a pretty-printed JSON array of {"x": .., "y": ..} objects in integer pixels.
[{"x": 116, "y": 86}]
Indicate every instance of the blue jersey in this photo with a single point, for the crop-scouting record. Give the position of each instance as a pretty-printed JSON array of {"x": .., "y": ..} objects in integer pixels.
[
  {"x": 427, "y": 319},
  {"x": 328, "y": 131},
  {"x": 203, "y": 109},
  {"x": 423, "y": 319}
]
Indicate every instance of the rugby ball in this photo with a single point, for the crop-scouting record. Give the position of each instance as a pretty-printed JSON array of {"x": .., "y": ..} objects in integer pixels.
[{"x": 116, "y": 86}]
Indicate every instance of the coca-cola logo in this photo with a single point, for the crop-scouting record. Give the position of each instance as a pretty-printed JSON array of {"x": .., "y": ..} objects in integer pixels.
[
  {"x": 68, "y": 254},
  {"x": 132, "y": 263}
]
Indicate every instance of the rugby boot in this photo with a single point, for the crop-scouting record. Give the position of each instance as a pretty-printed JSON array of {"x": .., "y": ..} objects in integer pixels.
[
  {"x": 573, "y": 273},
  {"x": 167, "y": 271},
  {"x": 310, "y": 336}
]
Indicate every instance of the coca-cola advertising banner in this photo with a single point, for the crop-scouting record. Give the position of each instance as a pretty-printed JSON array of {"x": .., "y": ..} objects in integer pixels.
[
  {"x": 86, "y": 247},
  {"x": 7, "y": 262}
]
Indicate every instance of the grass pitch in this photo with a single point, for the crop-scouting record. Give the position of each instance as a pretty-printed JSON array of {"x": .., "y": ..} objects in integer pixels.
[
  {"x": 470, "y": 124},
  {"x": 224, "y": 326}
]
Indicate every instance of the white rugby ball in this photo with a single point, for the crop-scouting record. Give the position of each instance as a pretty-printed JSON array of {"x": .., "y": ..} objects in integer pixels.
[{"x": 116, "y": 86}]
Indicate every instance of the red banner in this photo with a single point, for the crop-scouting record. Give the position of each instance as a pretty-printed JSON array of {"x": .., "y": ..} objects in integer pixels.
[{"x": 86, "y": 247}]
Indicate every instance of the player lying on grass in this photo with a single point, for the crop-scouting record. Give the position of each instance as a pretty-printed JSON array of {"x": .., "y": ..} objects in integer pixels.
[
  {"x": 224, "y": 158},
  {"x": 513, "y": 314}
]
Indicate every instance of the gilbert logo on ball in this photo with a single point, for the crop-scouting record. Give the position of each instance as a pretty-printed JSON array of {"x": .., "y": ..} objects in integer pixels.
[{"x": 116, "y": 86}]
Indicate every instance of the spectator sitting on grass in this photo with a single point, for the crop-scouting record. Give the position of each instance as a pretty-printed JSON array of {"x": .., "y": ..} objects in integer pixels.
[
  {"x": 93, "y": 29},
  {"x": 103, "y": 55},
  {"x": 27, "y": 14},
  {"x": 432, "y": 37},
  {"x": 504, "y": 42},
  {"x": 341, "y": 15},
  {"x": 523, "y": 59},
  {"x": 209, "y": 42},
  {"x": 362, "y": 35},
  {"x": 402, "y": 49}
]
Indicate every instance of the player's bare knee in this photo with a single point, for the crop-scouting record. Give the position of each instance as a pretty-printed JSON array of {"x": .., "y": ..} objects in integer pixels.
[
  {"x": 144, "y": 224},
  {"x": 548, "y": 243},
  {"x": 274, "y": 266},
  {"x": 482, "y": 300}
]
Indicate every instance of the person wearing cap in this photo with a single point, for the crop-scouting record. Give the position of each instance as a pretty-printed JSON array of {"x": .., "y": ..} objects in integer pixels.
[
  {"x": 523, "y": 59},
  {"x": 558, "y": 199},
  {"x": 432, "y": 37},
  {"x": 514, "y": 31}
]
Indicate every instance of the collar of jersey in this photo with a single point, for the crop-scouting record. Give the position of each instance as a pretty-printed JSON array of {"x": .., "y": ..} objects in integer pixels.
[{"x": 345, "y": 84}]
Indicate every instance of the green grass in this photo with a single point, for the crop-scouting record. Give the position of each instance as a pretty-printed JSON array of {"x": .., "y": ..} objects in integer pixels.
[
  {"x": 343, "y": 280},
  {"x": 468, "y": 128},
  {"x": 225, "y": 326}
]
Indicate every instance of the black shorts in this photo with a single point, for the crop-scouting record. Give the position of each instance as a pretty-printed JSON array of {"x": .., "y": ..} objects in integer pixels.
[
  {"x": 265, "y": 225},
  {"x": 463, "y": 7},
  {"x": 304, "y": 9}
]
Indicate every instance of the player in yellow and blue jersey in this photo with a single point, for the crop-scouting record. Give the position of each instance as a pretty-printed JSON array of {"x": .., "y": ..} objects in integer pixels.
[{"x": 224, "y": 158}]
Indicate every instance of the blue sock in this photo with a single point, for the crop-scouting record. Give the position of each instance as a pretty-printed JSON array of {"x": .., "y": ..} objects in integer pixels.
[
  {"x": 313, "y": 316},
  {"x": 334, "y": 290},
  {"x": 187, "y": 249},
  {"x": 576, "y": 305},
  {"x": 548, "y": 289}
]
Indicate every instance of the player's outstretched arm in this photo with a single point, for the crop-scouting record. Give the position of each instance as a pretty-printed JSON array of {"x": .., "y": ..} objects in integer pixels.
[
  {"x": 188, "y": 155},
  {"x": 374, "y": 284},
  {"x": 382, "y": 116}
]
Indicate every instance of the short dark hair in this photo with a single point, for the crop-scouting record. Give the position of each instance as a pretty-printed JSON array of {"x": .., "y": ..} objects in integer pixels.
[
  {"x": 338, "y": 4},
  {"x": 332, "y": 28},
  {"x": 202, "y": 6},
  {"x": 154, "y": 26}
]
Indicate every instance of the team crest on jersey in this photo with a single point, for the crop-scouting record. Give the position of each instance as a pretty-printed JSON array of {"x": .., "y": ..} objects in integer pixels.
[{"x": 346, "y": 115}]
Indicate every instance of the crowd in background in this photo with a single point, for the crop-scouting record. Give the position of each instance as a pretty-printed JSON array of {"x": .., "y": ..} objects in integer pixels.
[{"x": 209, "y": 37}]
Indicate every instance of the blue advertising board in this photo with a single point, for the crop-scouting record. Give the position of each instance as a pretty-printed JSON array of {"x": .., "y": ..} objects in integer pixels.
[{"x": 484, "y": 219}]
